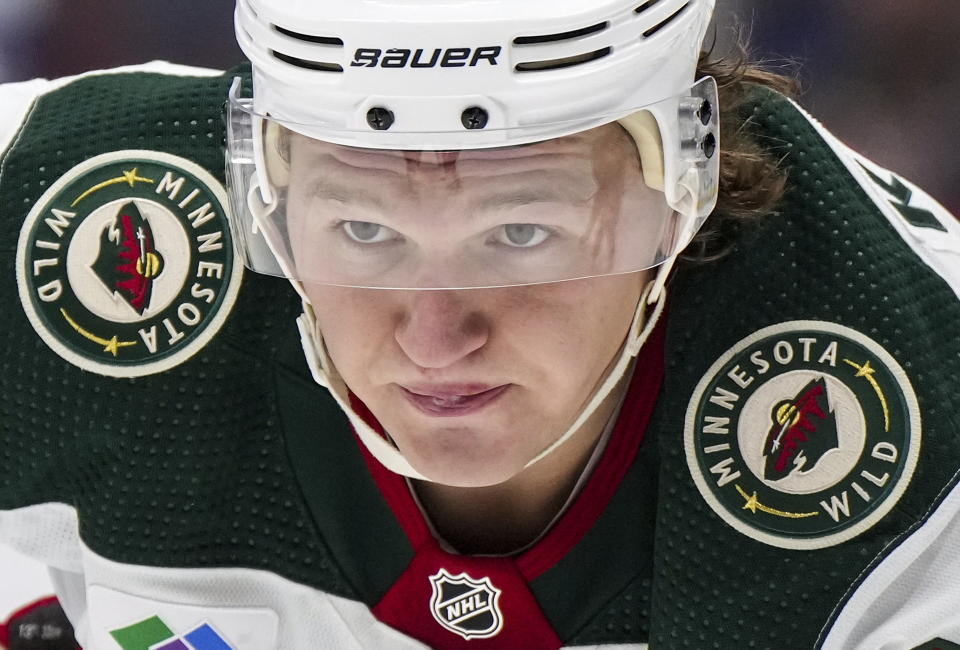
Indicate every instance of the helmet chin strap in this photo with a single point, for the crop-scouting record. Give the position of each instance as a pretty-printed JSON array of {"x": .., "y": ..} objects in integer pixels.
[
  {"x": 647, "y": 314},
  {"x": 657, "y": 288},
  {"x": 325, "y": 374},
  {"x": 640, "y": 329}
]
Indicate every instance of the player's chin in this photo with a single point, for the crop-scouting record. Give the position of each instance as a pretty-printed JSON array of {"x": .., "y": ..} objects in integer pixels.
[{"x": 465, "y": 457}]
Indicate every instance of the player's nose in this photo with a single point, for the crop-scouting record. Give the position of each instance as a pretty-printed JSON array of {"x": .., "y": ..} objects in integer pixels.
[{"x": 440, "y": 327}]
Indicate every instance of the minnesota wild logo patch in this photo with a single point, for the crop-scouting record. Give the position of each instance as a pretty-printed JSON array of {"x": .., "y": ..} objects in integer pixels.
[
  {"x": 803, "y": 435},
  {"x": 125, "y": 265}
]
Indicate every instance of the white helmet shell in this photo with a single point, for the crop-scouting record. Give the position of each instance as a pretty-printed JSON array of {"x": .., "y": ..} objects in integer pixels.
[{"x": 343, "y": 70}]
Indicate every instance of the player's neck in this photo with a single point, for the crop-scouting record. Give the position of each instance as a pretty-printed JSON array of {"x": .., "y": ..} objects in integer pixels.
[{"x": 504, "y": 518}]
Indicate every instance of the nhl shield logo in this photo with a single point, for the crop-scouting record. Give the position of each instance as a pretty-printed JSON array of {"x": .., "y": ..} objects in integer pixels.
[
  {"x": 125, "y": 265},
  {"x": 803, "y": 435},
  {"x": 466, "y": 606}
]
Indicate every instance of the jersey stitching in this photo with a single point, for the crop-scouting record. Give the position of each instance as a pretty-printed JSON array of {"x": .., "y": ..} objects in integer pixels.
[{"x": 883, "y": 554}]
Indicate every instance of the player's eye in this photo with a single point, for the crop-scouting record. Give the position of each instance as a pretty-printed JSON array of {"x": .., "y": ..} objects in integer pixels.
[
  {"x": 367, "y": 232},
  {"x": 522, "y": 235}
]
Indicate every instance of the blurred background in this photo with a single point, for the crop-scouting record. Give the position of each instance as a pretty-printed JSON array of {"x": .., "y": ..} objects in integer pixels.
[{"x": 883, "y": 75}]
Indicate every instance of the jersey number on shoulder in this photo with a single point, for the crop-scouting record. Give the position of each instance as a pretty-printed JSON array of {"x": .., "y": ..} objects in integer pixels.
[{"x": 900, "y": 199}]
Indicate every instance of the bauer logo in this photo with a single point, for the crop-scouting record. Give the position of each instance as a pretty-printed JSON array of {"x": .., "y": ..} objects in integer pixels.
[
  {"x": 125, "y": 266},
  {"x": 452, "y": 57},
  {"x": 803, "y": 435},
  {"x": 466, "y": 606}
]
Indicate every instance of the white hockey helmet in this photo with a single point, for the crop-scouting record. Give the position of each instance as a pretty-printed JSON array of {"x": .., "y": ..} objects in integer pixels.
[
  {"x": 461, "y": 91},
  {"x": 467, "y": 75}
]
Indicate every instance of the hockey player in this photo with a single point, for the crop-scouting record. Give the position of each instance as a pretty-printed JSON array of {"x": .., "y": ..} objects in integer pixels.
[{"x": 495, "y": 396}]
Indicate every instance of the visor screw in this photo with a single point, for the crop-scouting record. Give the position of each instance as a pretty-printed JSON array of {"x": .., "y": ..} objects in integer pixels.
[
  {"x": 705, "y": 113},
  {"x": 474, "y": 118},
  {"x": 379, "y": 118},
  {"x": 709, "y": 145}
]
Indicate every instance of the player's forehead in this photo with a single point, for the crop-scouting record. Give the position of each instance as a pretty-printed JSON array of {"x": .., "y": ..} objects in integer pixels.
[{"x": 581, "y": 152}]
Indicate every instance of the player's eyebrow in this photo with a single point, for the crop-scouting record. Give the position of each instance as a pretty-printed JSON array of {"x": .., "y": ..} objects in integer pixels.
[
  {"x": 352, "y": 184},
  {"x": 326, "y": 188},
  {"x": 521, "y": 197},
  {"x": 540, "y": 186},
  {"x": 330, "y": 190}
]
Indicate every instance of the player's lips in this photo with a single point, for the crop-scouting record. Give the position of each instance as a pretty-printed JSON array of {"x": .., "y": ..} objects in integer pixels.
[{"x": 451, "y": 400}]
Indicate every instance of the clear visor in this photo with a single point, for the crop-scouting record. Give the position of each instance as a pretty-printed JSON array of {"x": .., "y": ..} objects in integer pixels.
[{"x": 571, "y": 207}]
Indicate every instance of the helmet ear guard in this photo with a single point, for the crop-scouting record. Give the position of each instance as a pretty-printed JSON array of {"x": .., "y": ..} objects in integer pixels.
[
  {"x": 679, "y": 153},
  {"x": 255, "y": 171},
  {"x": 272, "y": 166},
  {"x": 686, "y": 130},
  {"x": 642, "y": 127},
  {"x": 276, "y": 154},
  {"x": 679, "y": 145}
]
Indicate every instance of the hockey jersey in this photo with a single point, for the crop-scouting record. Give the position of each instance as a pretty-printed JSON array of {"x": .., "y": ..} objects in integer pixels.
[{"x": 782, "y": 473}]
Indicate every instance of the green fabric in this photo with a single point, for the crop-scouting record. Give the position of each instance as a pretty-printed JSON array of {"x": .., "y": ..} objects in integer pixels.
[
  {"x": 601, "y": 589},
  {"x": 187, "y": 468},
  {"x": 358, "y": 526}
]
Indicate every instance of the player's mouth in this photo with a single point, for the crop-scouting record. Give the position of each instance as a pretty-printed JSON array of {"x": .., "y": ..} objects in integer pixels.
[{"x": 452, "y": 400}]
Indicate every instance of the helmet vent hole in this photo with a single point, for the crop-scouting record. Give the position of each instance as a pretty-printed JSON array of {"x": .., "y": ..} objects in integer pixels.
[
  {"x": 562, "y": 36},
  {"x": 309, "y": 38},
  {"x": 309, "y": 65},
  {"x": 646, "y": 5},
  {"x": 656, "y": 28},
  {"x": 566, "y": 62}
]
